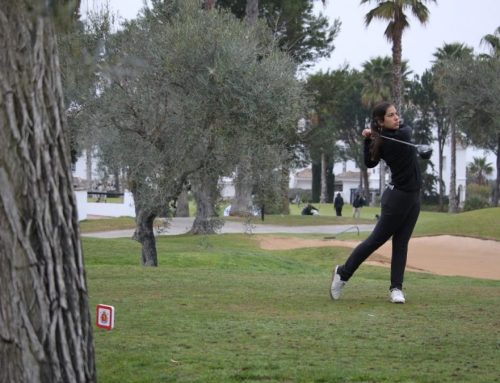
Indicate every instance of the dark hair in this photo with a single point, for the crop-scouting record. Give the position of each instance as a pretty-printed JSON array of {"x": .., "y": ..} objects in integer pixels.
[{"x": 378, "y": 114}]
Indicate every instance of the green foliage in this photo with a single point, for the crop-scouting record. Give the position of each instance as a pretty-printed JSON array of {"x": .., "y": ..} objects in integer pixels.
[
  {"x": 478, "y": 197},
  {"x": 301, "y": 33},
  {"x": 478, "y": 169},
  {"x": 189, "y": 93}
]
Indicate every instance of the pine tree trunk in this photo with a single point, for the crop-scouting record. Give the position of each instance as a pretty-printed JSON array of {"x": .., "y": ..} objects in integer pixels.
[{"x": 45, "y": 325}]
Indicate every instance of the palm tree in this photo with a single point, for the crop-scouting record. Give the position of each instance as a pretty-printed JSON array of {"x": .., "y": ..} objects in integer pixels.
[
  {"x": 444, "y": 56},
  {"x": 478, "y": 170},
  {"x": 493, "y": 42},
  {"x": 393, "y": 11},
  {"x": 376, "y": 77}
]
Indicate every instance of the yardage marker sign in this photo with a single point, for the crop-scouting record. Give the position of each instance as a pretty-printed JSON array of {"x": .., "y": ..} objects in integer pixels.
[{"x": 105, "y": 317}]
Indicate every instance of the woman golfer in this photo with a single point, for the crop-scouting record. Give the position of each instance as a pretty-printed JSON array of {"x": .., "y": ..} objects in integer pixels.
[{"x": 400, "y": 201}]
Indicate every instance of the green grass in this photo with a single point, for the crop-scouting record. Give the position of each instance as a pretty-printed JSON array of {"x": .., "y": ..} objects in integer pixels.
[
  {"x": 107, "y": 200},
  {"x": 219, "y": 309},
  {"x": 106, "y": 224},
  {"x": 484, "y": 223}
]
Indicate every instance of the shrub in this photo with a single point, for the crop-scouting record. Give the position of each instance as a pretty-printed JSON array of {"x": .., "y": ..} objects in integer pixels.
[{"x": 477, "y": 197}]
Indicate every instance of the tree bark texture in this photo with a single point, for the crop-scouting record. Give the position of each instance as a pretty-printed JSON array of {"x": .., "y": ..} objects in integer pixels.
[
  {"x": 45, "y": 325},
  {"x": 496, "y": 190},
  {"x": 453, "y": 202},
  {"x": 144, "y": 234},
  {"x": 242, "y": 202},
  {"x": 252, "y": 11},
  {"x": 323, "y": 195},
  {"x": 316, "y": 181},
  {"x": 206, "y": 194},
  {"x": 396, "y": 70},
  {"x": 284, "y": 188},
  {"x": 182, "y": 205}
]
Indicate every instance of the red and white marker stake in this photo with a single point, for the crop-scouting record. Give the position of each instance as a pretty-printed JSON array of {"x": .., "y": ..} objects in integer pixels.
[{"x": 105, "y": 317}]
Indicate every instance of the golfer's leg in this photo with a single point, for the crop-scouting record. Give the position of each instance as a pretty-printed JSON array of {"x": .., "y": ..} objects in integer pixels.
[
  {"x": 388, "y": 223},
  {"x": 400, "y": 241}
]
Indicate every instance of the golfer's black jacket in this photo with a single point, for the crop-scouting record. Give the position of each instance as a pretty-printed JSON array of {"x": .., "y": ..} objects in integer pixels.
[{"x": 402, "y": 159}]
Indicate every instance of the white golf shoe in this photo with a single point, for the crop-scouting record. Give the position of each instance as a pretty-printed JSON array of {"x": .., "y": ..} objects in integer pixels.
[
  {"x": 337, "y": 284},
  {"x": 397, "y": 296}
]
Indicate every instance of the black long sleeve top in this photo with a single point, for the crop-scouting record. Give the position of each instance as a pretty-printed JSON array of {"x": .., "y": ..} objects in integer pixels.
[{"x": 402, "y": 159}]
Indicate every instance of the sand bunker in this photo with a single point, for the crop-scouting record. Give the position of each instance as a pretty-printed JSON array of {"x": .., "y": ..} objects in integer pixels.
[{"x": 443, "y": 255}]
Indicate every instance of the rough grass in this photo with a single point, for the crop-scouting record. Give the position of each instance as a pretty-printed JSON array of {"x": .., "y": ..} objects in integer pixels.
[{"x": 219, "y": 309}]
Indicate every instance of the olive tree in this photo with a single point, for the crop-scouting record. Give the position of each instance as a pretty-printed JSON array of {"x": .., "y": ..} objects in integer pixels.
[
  {"x": 45, "y": 326},
  {"x": 185, "y": 97},
  {"x": 470, "y": 89}
]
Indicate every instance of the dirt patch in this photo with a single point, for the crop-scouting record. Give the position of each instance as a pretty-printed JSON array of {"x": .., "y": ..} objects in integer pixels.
[{"x": 442, "y": 255}]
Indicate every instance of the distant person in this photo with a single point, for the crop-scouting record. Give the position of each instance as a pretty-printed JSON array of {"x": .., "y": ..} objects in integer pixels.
[
  {"x": 357, "y": 204},
  {"x": 338, "y": 203},
  {"x": 297, "y": 200},
  {"x": 310, "y": 210},
  {"x": 400, "y": 201}
]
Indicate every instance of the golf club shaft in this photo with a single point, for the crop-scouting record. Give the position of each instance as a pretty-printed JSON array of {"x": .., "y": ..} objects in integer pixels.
[{"x": 402, "y": 142}]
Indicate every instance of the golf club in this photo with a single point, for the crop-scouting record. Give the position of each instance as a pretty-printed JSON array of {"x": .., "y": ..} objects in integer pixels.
[{"x": 424, "y": 151}]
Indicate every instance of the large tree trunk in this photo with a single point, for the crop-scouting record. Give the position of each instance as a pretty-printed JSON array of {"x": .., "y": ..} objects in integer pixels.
[
  {"x": 145, "y": 215},
  {"x": 45, "y": 325},
  {"x": 182, "y": 205},
  {"x": 242, "y": 203},
  {"x": 206, "y": 194},
  {"x": 453, "y": 201},
  {"x": 144, "y": 234}
]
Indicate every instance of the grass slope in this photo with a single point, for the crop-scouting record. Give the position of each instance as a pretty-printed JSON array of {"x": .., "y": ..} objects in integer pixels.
[{"x": 219, "y": 309}]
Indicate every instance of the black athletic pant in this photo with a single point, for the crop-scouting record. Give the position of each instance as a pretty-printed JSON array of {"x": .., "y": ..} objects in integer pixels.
[{"x": 399, "y": 215}]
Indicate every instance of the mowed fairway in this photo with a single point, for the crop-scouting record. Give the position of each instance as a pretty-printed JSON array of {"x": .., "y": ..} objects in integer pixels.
[{"x": 219, "y": 309}]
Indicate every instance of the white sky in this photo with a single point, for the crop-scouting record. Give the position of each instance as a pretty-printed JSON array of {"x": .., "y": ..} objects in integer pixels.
[{"x": 462, "y": 21}]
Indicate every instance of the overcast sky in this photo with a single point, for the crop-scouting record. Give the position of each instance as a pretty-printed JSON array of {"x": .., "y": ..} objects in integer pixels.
[{"x": 462, "y": 21}]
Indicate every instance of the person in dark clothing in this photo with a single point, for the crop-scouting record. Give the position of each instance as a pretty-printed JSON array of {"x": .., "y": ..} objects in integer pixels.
[
  {"x": 357, "y": 204},
  {"x": 310, "y": 210},
  {"x": 338, "y": 203},
  {"x": 400, "y": 202}
]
